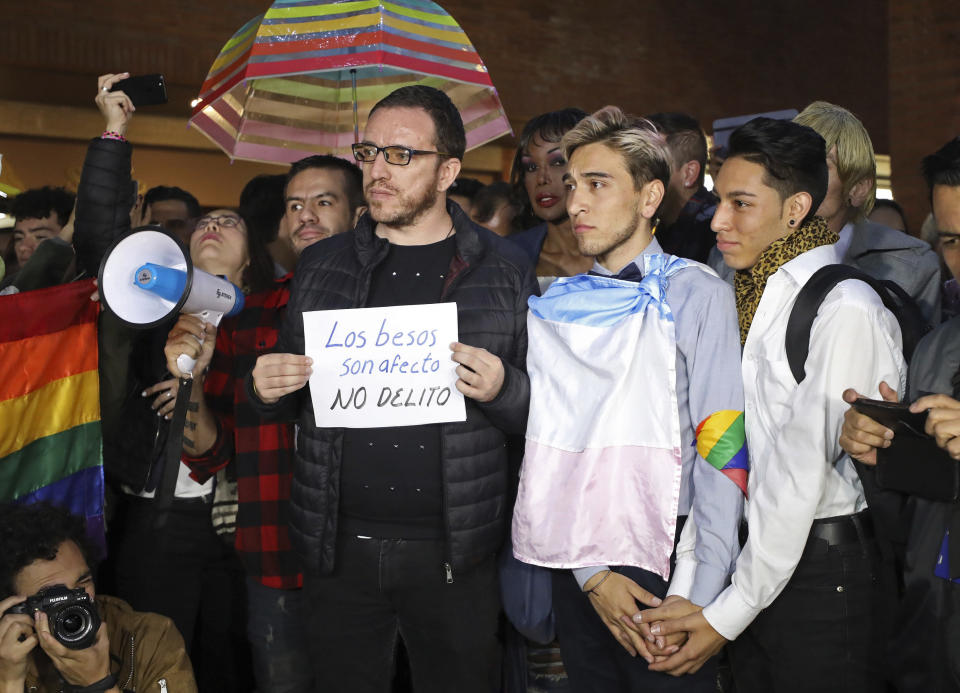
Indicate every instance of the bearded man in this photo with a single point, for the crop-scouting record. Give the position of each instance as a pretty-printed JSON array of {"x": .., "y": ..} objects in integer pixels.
[{"x": 398, "y": 527}]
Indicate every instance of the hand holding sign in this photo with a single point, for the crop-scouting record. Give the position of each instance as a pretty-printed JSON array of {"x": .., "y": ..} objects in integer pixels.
[
  {"x": 388, "y": 366},
  {"x": 480, "y": 373},
  {"x": 276, "y": 375}
]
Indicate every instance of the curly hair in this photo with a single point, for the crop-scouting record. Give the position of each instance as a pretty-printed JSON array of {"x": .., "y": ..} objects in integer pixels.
[
  {"x": 34, "y": 532},
  {"x": 39, "y": 203}
]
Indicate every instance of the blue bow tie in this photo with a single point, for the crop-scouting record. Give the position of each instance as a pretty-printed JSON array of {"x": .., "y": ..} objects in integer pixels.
[{"x": 630, "y": 273}]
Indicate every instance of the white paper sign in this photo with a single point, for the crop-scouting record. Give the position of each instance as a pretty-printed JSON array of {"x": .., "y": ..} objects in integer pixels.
[{"x": 377, "y": 367}]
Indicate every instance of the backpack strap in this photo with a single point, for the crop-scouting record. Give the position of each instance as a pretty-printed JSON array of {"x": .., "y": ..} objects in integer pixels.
[
  {"x": 812, "y": 295},
  {"x": 805, "y": 312}
]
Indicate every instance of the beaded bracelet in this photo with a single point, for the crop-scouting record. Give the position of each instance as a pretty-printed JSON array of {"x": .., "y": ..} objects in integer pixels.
[{"x": 110, "y": 135}]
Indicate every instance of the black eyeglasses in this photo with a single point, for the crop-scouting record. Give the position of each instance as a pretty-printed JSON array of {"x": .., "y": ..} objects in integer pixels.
[
  {"x": 393, "y": 154},
  {"x": 225, "y": 221}
]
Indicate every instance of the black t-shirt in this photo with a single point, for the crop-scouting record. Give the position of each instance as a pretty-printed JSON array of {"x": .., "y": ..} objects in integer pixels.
[{"x": 390, "y": 480}]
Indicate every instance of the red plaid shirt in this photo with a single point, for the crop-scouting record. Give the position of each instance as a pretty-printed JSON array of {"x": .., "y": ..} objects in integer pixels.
[{"x": 261, "y": 451}]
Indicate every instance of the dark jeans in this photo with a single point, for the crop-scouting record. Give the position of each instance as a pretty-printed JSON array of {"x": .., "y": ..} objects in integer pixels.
[
  {"x": 382, "y": 588},
  {"x": 821, "y": 633},
  {"x": 185, "y": 572},
  {"x": 595, "y": 661},
  {"x": 278, "y": 637}
]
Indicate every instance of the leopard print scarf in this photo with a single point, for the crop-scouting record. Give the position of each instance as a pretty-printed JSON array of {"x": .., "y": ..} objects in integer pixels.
[{"x": 750, "y": 283}]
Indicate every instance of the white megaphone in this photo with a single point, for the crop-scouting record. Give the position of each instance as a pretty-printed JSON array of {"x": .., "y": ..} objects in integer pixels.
[{"x": 147, "y": 277}]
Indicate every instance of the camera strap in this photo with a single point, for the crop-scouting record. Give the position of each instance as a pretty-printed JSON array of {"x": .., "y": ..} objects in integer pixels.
[
  {"x": 167, "y": 488},
  {"x": 104, "y": 684}
]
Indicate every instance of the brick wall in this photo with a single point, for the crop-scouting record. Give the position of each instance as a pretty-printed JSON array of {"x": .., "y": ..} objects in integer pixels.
[
  {"x": 924, "y": 93},
  {"x": 712, "y": 59}
]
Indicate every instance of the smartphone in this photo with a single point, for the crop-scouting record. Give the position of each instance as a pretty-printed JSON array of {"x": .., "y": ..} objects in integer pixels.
[
  {"x": 894, "y": 415},
  {"x": 145, "y": 90}
]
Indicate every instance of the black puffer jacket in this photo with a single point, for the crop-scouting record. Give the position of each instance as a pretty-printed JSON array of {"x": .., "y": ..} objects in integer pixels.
[
  {"x": 130, "y": 359},
  {"x": 490, "y": 282}
]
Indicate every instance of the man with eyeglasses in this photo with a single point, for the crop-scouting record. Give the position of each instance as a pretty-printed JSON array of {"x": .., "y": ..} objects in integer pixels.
[{"x": 398, "y": 527}]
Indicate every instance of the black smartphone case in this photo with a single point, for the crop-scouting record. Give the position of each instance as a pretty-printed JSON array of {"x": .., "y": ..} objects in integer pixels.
[
  {"x": 143, "y": 90},
  {"x": 914, "y": 463}
]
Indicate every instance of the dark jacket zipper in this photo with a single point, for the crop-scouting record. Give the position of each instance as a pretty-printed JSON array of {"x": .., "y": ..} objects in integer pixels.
[{"x": 458, "y": 267}]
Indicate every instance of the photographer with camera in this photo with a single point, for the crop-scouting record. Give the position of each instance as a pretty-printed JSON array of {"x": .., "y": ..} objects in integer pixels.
[{"x": 56, "y": 634}]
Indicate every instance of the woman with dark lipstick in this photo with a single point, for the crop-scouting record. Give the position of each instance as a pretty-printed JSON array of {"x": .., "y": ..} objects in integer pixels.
[{"x": 537, "y": 179}]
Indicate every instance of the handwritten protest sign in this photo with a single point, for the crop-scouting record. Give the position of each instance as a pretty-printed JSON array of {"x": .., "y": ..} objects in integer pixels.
[{"x": 376, "y": 367}]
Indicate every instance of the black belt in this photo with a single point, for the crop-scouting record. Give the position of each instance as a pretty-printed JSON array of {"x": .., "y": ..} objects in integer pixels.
[
  {"x": 844, "y": 529},
  {"x": 177, "y": 500}
]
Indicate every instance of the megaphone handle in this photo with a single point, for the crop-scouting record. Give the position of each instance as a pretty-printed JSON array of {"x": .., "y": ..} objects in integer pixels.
[{"x": 185, "y": 363}]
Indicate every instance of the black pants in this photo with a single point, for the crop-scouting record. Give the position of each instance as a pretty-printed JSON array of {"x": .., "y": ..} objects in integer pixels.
[
  {"x": 185, "y": 572},
  {"x": 595, "y": 661},
  {"x": 382, "y": 588},
  {"x": 821, "y": 633}
]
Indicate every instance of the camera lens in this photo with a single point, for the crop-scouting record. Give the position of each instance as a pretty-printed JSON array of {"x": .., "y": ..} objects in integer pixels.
[
  {"x": 76, "y": 626},
  {"x": 72, "y": 625}
]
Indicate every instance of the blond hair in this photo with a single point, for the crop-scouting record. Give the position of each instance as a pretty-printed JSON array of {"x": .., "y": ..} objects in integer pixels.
[
  {"x": 644, "y": 150},
  {"x": 855, "y": 159}
]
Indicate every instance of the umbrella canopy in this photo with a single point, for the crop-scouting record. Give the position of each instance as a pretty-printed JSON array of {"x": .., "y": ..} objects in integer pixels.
[{"x": 288, "y": 83}]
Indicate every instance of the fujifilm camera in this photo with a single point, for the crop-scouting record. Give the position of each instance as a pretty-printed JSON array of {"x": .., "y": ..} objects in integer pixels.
[{"x": 74, "y": 619}]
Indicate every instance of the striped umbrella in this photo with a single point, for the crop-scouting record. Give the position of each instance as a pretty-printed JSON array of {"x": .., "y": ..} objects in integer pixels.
[{"x": 301, "y": 78}]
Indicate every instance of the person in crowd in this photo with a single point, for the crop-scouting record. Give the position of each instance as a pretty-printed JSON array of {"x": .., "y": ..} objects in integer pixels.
[
  {"x": 262, "y": 205},
  {"x": 805, "y": 595},
  {"x": 684, "y": 227},
  {"x": 462, "y": 191},
  {"x": 879, "y": 251},
  {"x": 536, "y": 176},
  {"x": 889, "y": 213},
  {"x": 922, "y": 655},
  {"x": 39, "y": 215},
  {"x": 949, "y": 287},
  {"x": 323, "y": 197},
  {"x": 173, "y": 208},
  {"x": 42, "y": 546},
  {"x": 203, "y": 588},
  {"x": 419, "y": 564},
  {"x": 618, "y": 171},
  {"x": 495, "y": 209}
]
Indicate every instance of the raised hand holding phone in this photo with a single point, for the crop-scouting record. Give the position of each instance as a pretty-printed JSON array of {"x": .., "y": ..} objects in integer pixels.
[{"x": 116, "y": 106}]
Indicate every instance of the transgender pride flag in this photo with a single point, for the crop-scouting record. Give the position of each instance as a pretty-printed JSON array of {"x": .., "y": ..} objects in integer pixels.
[
  {"x": 50, "y": 401},
  {"x": 600, "y": 482}
]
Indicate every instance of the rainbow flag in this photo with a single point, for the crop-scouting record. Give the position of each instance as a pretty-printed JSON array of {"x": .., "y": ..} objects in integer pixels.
[
  {"x": 50, "y": 443},
  {"x": 722, "y": 441}
]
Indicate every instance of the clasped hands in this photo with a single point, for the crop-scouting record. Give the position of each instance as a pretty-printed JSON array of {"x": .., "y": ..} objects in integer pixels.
[{"x": 672, "y": 636}]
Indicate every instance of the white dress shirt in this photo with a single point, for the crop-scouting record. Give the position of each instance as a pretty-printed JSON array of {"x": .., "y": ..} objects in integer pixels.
[{"x": 798, "y": 471}]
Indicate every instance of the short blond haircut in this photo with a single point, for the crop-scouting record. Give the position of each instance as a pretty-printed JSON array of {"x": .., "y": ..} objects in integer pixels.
[
  {"x": 855, "y": 158},
  {"x": 644, "y": 150}
]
